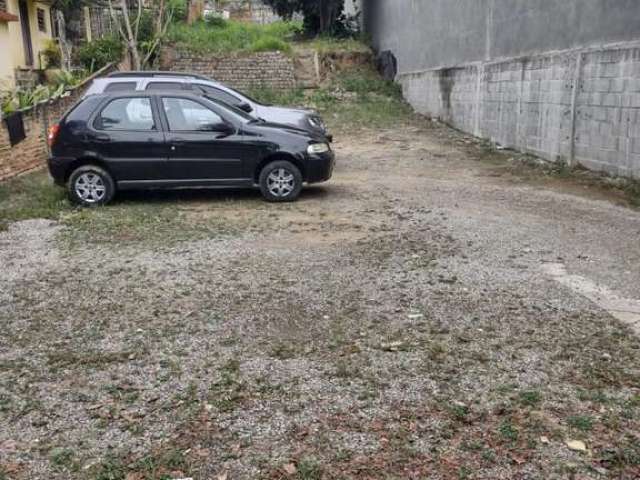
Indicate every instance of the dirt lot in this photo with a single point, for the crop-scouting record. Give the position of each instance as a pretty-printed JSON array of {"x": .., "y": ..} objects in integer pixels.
[{"x": 397, "y": 322}]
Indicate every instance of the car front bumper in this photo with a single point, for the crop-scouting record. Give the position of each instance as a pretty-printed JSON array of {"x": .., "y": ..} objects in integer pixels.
[{"x": 320, "y": 167}]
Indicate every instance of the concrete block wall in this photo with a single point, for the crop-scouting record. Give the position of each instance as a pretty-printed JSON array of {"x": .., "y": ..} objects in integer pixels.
[
  {"x": 578, "y": 106},
  {"x": 607, "y": 128},
  {"x": 557, "y": 78},
  {"x": 243, "y": 71}
]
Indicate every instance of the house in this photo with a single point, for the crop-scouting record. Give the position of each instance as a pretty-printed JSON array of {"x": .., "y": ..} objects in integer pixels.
[
  {"x": 25, "y": 28},
  {"x": 251, "y": 11}
]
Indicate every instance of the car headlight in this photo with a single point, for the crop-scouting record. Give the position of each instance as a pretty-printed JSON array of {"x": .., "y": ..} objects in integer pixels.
[
  {"x": 316, "y": 148},
  {"x": 316, "y": 122}
]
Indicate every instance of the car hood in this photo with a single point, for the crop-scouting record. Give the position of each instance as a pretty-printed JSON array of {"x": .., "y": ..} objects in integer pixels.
[
  {"x": 274, "y": 127},
  {"x": 284, "y": 115}
]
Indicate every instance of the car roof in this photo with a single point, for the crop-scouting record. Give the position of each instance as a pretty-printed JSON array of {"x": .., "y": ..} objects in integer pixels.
[
  {"x": 151, "y": 93},
  {"x": 156, "y": 73},
  {"x": 155, "y": 93},
  {"x": 158, "y": 78}
]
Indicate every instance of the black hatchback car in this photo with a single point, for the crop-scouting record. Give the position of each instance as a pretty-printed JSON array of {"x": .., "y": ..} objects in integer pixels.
[{"x": 139, "y": 140}]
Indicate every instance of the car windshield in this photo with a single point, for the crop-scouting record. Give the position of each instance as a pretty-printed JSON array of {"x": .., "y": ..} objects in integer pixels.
[
  {"x": 240, "y": 115},
  {"x": 242, "y": 94}
]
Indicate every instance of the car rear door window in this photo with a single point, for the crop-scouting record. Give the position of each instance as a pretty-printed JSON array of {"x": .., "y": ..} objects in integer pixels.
[
  {"x": 120, "y": 87},
  {"x": 83, "y": 109},
  {"x": 165, "y": 86},
  {"x": 127, "y": 114},
  {"x": 186, "y": 115},
  {"x": 221, "y": 95}
]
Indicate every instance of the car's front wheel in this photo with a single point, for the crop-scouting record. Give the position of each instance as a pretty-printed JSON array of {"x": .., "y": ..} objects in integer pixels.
[
  {"x": 90, "y": 186},
  {"x": 281, "y": 181}
]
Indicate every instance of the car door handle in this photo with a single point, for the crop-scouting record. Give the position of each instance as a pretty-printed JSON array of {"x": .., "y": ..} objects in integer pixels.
[{"x": 101, "y": 137}]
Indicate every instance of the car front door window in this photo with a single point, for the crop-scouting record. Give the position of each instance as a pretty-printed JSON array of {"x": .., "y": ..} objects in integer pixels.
[{"x": 185, "y": 115}]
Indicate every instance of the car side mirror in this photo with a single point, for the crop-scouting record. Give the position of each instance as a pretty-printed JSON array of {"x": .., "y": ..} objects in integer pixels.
[
  {"x": 220, "y": 127},
  {"x": 245, "y": 107}
]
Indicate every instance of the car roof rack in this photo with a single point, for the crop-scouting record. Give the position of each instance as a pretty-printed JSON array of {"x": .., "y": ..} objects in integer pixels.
[{"x": 156, "y": 73}]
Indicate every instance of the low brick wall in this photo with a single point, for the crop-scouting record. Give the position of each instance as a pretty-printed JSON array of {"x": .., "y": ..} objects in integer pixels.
[
  {"x": 32, "y": 152},
  {"x": 273, "y": 70},
  {"x": 578, "y": 106}
]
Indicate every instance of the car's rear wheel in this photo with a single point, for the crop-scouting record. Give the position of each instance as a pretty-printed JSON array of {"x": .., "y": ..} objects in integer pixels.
[
  {"x": 280, "y": 181},
  {"x": 91, "y": 186}
]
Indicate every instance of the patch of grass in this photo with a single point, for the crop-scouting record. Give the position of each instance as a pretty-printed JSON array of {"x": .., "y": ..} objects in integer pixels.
[
  {"x": 594, "y": 396},
  {"x": 366, "y": 82},
  {"x": 488, "y": 455},
  {"x": 160, "y": 466},
  {"x": 530, "y": 398},
  {"x": 283, "y": 351},
  {"x": 632, "y": 189},
  {"x": 327, "y": 44},
  {"x": 464, "y": 473},
  {"x": 148, "y": 216},
  {"x": 151, "y": 219},
  {"x": 31, "y": 196},
  {"x": 346, "y": 370},
  {"x": 111, "y": 468},
  {"x": 230, "y": 36},
  {"x": 459, "y": 411},
  {"x": 62, "y": 359},
  {"x": 62, "y": 458},
  {"x": 227, "y": 393},
  {"x": 581, "y": 422},
  {"x": 508, "y": 431},
  {"x": 309, "y": 469},
  {"x": 270, "y": 44}
]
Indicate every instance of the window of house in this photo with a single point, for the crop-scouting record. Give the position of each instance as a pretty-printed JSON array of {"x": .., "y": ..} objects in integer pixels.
[
  {"x": 54, "y": 24},
  {"x": 42, "y": 24}
]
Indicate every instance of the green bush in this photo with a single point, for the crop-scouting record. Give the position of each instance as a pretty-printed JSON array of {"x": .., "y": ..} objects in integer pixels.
[
  {"x": 179, "y": 9},
  {"x": 270, "y": 44},
  {"x": 51, "y": 54},
  {"x": 368, "y": 82},
  {"x": 215, "y": 21},
  {"x": 95, "y": 55},
  {"x": 19, "y": 98}
]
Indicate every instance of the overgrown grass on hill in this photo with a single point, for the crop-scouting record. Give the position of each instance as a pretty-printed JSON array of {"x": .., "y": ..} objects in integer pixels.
[
  {"x": 229, "y": 36},
  {"x": 326, "y": 44},
  {"x": 351, "y": 100}
]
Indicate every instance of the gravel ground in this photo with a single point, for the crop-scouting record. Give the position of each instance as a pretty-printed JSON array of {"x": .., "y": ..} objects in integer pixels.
[{"x": 396, "y": 322}]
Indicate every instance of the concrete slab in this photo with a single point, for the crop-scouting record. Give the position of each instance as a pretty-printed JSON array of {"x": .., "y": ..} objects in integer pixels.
[{"x": 626, "y": 310}]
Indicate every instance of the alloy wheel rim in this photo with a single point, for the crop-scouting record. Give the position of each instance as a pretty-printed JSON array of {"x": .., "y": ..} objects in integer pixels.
[
  {"x": 90, "y": 187},
  {"x": 281, "y": 183}
]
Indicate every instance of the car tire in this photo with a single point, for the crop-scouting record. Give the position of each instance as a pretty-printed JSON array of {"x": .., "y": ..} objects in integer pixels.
[
  {"x": 280, "y": 181},
  {"x": 90, "y": 186}
]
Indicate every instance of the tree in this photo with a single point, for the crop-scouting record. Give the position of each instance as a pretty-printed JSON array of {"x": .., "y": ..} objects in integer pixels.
[
  {"x": 320, "y": 16},
  {"x": 68, "y": 13},
  {"x": 130, "y": 21}
]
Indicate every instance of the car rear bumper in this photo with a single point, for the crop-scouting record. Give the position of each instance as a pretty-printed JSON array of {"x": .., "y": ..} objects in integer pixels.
[
  {"x": 320, "y": 167},
  {"x": 58, "y": 169}
]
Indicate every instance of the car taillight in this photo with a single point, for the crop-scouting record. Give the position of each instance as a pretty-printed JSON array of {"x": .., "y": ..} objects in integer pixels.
[{"x": 53, "y": 133}]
